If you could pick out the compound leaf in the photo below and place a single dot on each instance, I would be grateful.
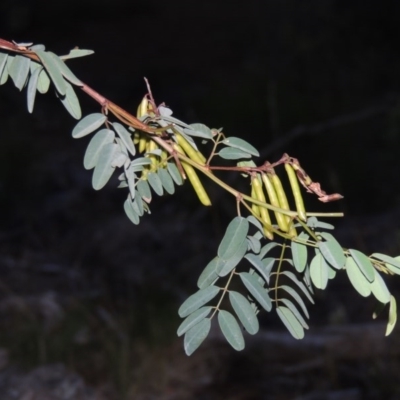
(196, 300)
(231, 329)
(195, 336)
(244, 311)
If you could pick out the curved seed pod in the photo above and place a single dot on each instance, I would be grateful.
(298, 198)
(264, 214)
(194, 180)
(142, 143)
(142, 109)
(189, 150)
(273, 198)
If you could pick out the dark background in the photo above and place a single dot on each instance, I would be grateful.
(83, 287)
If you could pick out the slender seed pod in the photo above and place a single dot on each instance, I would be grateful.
(298, 198)
(142, 143)
(194, 180)
(264, 214)
(136, 138)
(142, 109)
(192, 153)
(273, 198)
(254, 207)
(153, 158)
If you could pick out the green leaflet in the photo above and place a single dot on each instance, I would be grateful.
(155, 183)
(144, 190)
(245, 312)
(193, 319)
(31, 92)
(137, 204)
(332, 251)
(174, 171)
(267, 248)
(209, 274)
(299, 253)
(234, 236)
(131, 180)
(392, 316)
(75, 53)
(319, 271)
(88, 125)
(96, 144)
(242, 145)
(195, 336)
(140, 161)
(364, 264)
(166, 180)
(230, 153)
(71, 102)
(103, 170)
(130, 212)
(47, 59)
(256, 290)
(290, 305)
(254, 243)
(19, 70)
(3, 62)
(290, 321)
(43, 82)
(379, 289)
(125, 136)
(198, 299)
(231, 329)
(313, 222)
(357, 278)
(65, 71)
(299, 300)
(226, 265)
(255, 222)
(300, 284)
(199, 130)
(258, 265)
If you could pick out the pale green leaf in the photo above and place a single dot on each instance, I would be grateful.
(155, 183)
(166, 180)
(295, 295)
(130, 212)
(300, 284)
(226, 265)
(255, 222)
(174, 171)
(258, 265)
(244, 311)
(3, 62)
(392, 316)
(88, 125)
(290, 305)
(144, 190)
(364, 263)
(379, 288)
(256, 290)
(65, 71)
(267, 248)
(46, 57)
(197, 300)
(195, 336)
(43, 82)
(193, 319)
(75, 53)
(319, 271)
(71, 102)
(254, 243)
(357, 278)
(332, 251)
(96, 144)
(140, 161)
(231, 329)
(242, 145)
(209, 274)
(230, 153)
(125, 136)
(291, 322)
(199, 130)
(31, 92)
(391, 262)
(299, 253)
(19, 70)
(103, 170)
(234, 236)
(331, 272)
